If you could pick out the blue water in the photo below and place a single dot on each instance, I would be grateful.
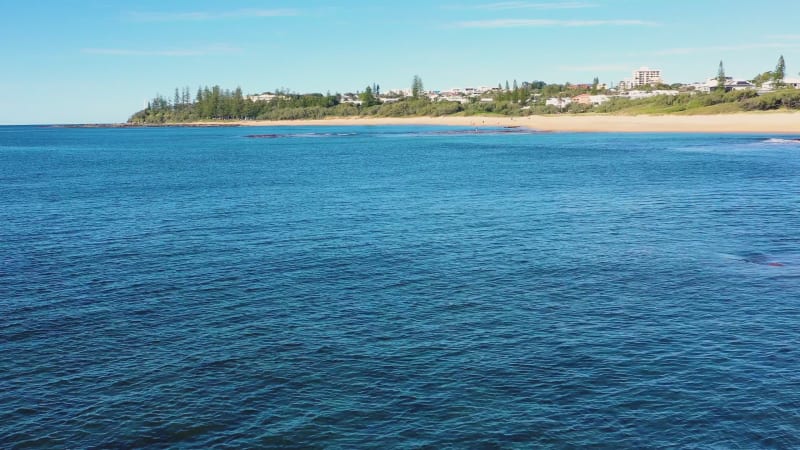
(397, 287)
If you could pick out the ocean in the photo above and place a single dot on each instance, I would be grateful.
(398, 287)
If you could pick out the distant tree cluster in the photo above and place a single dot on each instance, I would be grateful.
(222, 104)
(369, 96)
(515, 93)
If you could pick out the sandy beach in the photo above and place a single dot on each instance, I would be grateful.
(766, 122)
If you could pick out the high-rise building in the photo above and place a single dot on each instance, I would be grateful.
(645, 75)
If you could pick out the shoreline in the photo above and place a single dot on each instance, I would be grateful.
(755, 122)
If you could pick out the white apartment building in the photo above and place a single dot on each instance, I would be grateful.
(646, 76)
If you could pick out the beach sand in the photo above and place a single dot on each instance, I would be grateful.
(763, 122)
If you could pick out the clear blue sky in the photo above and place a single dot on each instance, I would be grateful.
(98, 61)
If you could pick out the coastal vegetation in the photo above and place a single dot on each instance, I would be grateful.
(517, 99)
(227, 105)
(710, 103)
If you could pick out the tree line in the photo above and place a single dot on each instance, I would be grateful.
(216, 103)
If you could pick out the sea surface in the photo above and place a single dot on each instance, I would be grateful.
(398, 287)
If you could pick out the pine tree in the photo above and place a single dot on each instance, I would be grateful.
(780, 72)
(417, 89)
(238, 103)
(721, 78)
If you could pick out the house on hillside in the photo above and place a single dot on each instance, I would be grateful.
(453, 98)
(731, 84)
(558, 102)
(351, 98)
(791, 82)
(265, 97)
(590, 100)
(636, 95)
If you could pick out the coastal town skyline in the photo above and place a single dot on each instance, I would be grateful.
(92, 62)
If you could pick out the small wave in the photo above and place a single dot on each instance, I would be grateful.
(298, 135)
(488, 131)
(782, 141)
(747, 145)
(452, 132)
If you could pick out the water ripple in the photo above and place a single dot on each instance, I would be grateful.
(397, 288)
